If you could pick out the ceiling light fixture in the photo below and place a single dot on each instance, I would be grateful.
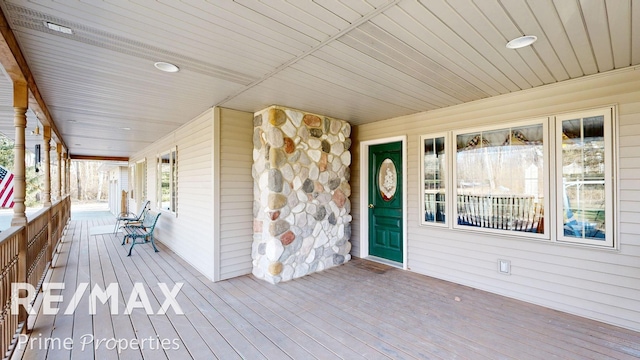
(166, 67)
(125, 128)
(521, 41)
(36, 131)
(58, 28)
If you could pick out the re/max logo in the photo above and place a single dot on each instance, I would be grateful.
(138, 298)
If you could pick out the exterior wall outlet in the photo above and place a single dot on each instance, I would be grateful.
(504, 267)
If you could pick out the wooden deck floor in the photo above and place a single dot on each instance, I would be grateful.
(358, 310)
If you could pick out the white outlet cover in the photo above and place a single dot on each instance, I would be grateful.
(504, 266)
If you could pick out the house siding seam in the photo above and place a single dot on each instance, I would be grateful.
(595, 283)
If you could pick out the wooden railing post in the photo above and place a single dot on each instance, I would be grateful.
(22, 274)
(46, 191)
(50, 240)
(58, 189)
(63, 183)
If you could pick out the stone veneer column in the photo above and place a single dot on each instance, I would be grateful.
(301, 193)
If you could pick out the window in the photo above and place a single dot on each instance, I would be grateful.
(500, 178)
(585, 172)
(132, 181)
(167, 196)
(139, 182)
(434, 185)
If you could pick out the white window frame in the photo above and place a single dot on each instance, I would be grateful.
(552, 179)
(447, 180)
(173, 180)
(546, 234)
(609, 114)
(140, 181)
(132, 182)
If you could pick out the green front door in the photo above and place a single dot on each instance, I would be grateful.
(385, 201)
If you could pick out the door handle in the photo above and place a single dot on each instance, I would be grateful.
(371, 206)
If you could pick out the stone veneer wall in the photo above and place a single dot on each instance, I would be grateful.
(301, 193)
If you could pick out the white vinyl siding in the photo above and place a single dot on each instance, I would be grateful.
(190, 233)
(236, 193)
(124, 178)
(603, 284)
(212, 230)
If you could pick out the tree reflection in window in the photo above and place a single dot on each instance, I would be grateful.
(500, 179)
(434, 179)
(167, 181)
(583, 177)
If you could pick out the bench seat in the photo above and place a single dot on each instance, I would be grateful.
(142, 232)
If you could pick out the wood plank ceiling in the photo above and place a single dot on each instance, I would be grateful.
(358, 60)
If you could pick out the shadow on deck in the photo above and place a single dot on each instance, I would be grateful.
(358, 310)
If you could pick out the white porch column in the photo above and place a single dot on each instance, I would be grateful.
(46, 196)
(63, 182)
(20, 105)
(58, 188)
(68, 175)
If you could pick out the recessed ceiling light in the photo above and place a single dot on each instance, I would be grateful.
(58, 28)
(72, 121)
(166, 67)
(77, 144)
(125, 128)
(521, 41)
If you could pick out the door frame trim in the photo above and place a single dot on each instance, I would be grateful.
(364, 194)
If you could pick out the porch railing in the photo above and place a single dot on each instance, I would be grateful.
(25, 257)
(517, 213)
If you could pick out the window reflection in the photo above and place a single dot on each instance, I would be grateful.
(434, 170)
(499, 179)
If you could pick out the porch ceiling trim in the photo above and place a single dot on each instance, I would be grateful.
(99, 158)
(14, 63)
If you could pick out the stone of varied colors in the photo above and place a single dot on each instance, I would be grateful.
(276, 201)
(275, 138)
(326, 147)
(275, 180)
(257, 120)
(301, 188)
(287, 238)
(273, 215)
(314, 155)
(275, 268)
(289, 145)
(320, 214)
(307, 186)
(277, 117)
(315, 132)
(312, 120)
(322, 163)
(277, 157)
(278, 227)
(257, 141)
(335, 126)
(339, 198)
(334, 183)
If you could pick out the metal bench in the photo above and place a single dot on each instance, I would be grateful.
(127, 218)
(143, 231)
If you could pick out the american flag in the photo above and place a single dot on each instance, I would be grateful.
(6, 188)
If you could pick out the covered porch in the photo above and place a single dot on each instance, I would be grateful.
(358, 310)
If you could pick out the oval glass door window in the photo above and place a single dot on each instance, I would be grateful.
(387, 179)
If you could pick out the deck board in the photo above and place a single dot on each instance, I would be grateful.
(358, 310)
